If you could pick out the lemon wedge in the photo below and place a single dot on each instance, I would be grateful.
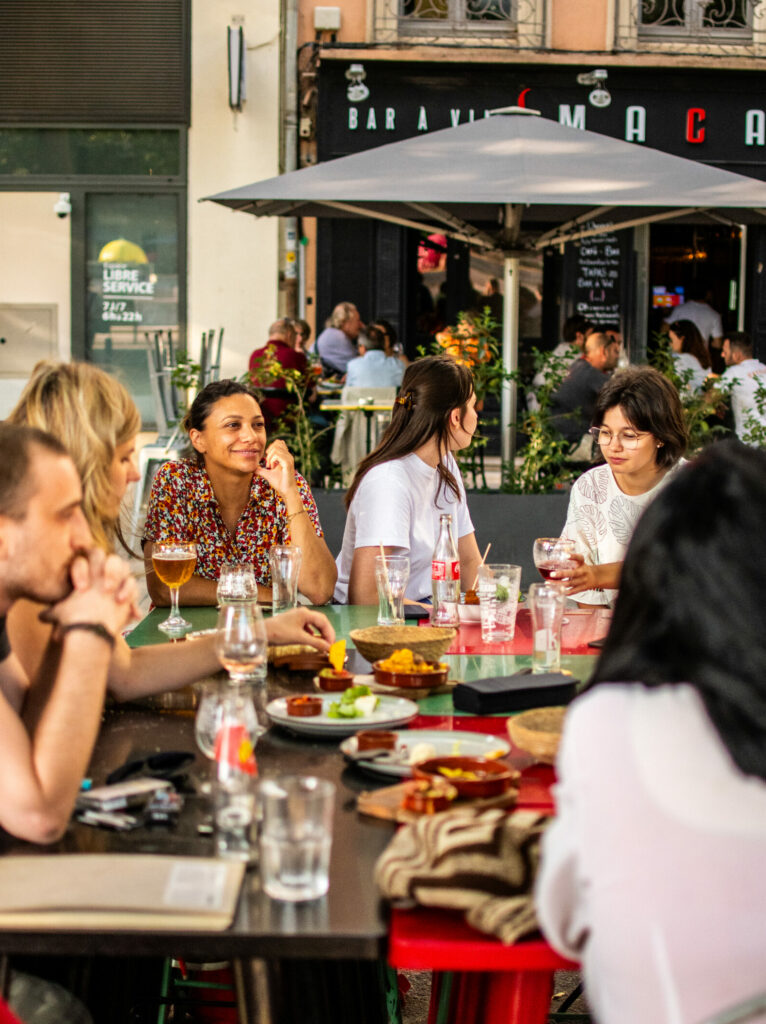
(337, 654)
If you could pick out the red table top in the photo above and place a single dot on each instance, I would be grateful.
(440, 940)
(581, 626)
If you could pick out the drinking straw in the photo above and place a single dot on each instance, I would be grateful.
(389, 592)
(481, 563)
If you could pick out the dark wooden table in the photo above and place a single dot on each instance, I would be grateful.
(349, 922)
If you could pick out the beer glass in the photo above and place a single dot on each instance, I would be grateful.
(174, 561)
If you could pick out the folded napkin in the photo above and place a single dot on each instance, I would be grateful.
(483, 863)
(514, 693)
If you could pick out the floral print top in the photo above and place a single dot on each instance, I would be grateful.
(182, 506)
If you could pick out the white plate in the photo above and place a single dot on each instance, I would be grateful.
(391, 711)
(445, 744)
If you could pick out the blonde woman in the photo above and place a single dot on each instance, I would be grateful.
(93, 415)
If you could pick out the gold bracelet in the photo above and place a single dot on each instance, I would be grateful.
(292, 515)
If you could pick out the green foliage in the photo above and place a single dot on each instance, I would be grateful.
(755, 425)
(701, 408)
(294, 427)
(542, 466)
(185, 378)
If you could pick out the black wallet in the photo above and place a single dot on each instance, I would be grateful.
(514, 693)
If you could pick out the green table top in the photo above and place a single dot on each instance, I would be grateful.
(344, 618)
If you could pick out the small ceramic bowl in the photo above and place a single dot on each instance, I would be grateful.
(411, 680)
(427, 796)
(304, 706)
(471, 776)
(375, 739)
(330, 680)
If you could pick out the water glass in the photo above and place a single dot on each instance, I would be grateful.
(546, 604)
(285, 562)
(498, 600)
(236, 583)
(296, 836)
(392, 573)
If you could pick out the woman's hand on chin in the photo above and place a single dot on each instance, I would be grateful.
(279, 470)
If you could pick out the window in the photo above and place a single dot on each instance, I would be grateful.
(694, 18)
(458, 13)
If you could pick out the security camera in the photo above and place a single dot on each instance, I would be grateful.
(62, 207)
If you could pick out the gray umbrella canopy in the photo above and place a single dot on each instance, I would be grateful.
(508, 182)
(462, 179)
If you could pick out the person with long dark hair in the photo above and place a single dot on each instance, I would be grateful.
(236, 499)
(402, 487)
(639, 427)
(652, 872)
(690, 354)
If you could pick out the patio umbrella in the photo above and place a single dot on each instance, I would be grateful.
(509, 183)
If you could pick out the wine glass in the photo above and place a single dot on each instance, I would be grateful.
(241, 642)
(553, 554)
(173, 561)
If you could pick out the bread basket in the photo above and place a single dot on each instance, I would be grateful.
(538, 732)
(376, 642)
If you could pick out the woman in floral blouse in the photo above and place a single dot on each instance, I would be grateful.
(239, 497)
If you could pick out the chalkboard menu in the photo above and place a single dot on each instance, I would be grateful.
(594, 272)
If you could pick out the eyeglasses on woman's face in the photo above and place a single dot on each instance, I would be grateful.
(627, 439)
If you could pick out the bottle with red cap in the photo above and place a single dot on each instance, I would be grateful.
(445, 576)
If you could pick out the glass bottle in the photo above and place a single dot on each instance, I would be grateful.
(445, 576)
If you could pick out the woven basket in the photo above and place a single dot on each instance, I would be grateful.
(538, 732)
(377, 642)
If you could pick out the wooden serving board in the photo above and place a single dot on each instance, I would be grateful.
(386, 803)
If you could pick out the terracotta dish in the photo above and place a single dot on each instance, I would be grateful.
(375, 739)
(333, 681)
(410, 680)
(427, 796)
(304, 706)
(471, 776)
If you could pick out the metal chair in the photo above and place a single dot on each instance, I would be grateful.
(210, 356)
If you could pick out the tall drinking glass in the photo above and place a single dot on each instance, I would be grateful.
(173, 562)
(236, 583)
(546, 605)
(391, 575)
(498, 599)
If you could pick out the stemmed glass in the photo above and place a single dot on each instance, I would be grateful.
(554, 554)
(173, 561)
(241, 642)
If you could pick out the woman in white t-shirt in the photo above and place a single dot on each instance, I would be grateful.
(690, 355)
(639, 426)
(652, 871)
(402, 487)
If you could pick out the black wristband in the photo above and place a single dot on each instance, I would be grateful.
(97, 628)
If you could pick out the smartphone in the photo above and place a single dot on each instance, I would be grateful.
(120, 794)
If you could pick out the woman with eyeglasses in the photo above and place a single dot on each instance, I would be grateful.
(652, 871)
(639, 427)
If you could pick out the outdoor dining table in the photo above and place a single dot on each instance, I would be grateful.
(351, 921)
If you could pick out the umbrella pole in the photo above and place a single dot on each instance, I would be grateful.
(511, 273)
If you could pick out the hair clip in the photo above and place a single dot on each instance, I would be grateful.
(405, 400)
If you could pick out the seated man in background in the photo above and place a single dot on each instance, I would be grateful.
(49, 724)
(336, 345)
(574, 333)
(574, 401)
(374, 367)
(282, 348)
(745, 376)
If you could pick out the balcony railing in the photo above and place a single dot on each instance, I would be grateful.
(517, 23)
(697, 26)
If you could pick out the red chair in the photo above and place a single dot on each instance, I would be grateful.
(493, 983)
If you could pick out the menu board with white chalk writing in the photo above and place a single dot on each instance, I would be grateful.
(594, 275)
